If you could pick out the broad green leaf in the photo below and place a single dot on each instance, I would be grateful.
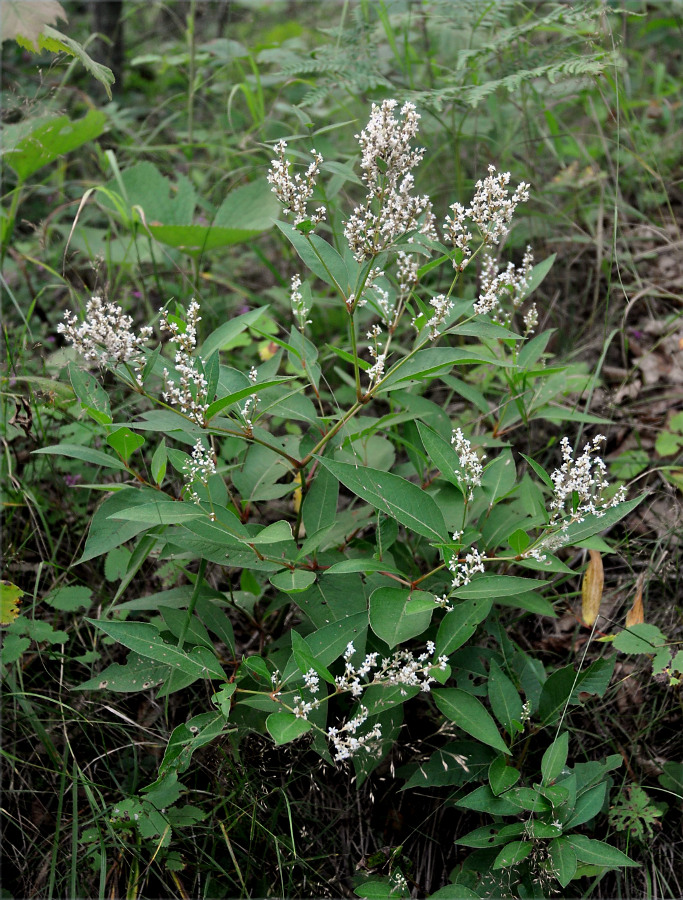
(293, 581)
(106, 533)
(437, 361)
(502, 776)
(76, 451)
(144, 639)
(329, 641)
(305, 659)
(454, 892)
(512, 854)
(159, 459)
(470, 715)
(284, 727)
(492, 586)
(138, 674)
(490, 836)
(598, 852)
(393, 495)
(539, 470)
(160, 512)
(392, 618)
(499, 477)
(588, 805)
(529, 601)
(459, 625)
(70, 598)
(360, 564)
(247, 391)
(125, 442)
(48, 140)
(595, 524)
(641, 638)
(319, 256)
(216, 620)
(555, 758)
(272, 534)
(482, 799)
(90, 392)
(504, 698)
(229, 330)
(563, 858)
(441, 455)
(528, 799)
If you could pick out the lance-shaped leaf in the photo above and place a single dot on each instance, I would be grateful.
(469, 714)
(393, 495)
(144, 639)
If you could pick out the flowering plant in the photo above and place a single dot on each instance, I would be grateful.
(351, 524)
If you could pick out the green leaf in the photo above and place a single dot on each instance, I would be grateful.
(160, 512)
(305, 659)
(563, 858)
(125, 442)
(48, 140)
(441, 455)
(539, 470)
(10, 596)
(459, 625)
(360, 564)
(490, 836)
(502, 776)
(247, 391)
(75, 451)
(454, 892)
(320, 503)
(57, 42)
(598, 852)
(555, 758)
(320, 257)
(492, 586)
(272, 534)
(228, 331)
(512, 854)
(437, 361)
(90, 392)
(595, 524)
(528, 799)
(396, 614)
(642, 638)
(105, 533)
(504, 698)
(292, 581)
(159, 460)
(482, 799)
(393, 495)
(70, 599)
(588, 805)
(145, 640)
(284, 727)
(470, 715)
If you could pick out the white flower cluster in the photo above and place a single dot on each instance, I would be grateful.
(406, 272)
(190, 393)
(401, 668)
(299, 307)
(105, 335)
(376, 370)
(491, 212)
(344, 741)
(470, 463)
(581, 484)
(199, 467)
(464, 569)
(387, 160)
(511, 282)
(294, 193)
(442, 306)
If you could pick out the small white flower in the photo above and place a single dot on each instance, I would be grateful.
(470, 463)
(295, 192)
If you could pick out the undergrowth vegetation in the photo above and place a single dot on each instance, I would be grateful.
(342, 451)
